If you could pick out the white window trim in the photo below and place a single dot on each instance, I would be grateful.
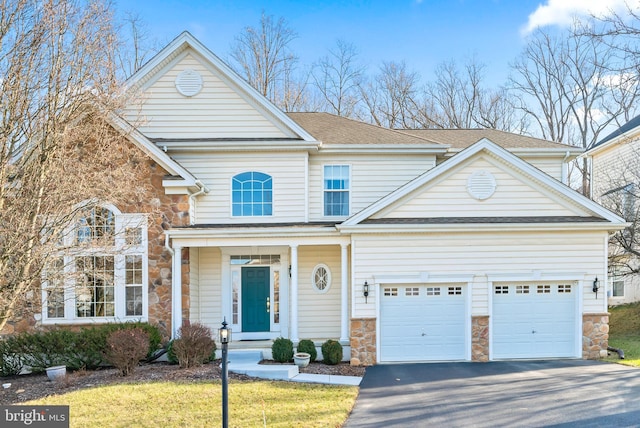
(119, 253)
(349, 190)
(273, 205)
(313, 278)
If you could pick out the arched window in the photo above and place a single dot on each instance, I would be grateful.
(251, 194)
(101, 270)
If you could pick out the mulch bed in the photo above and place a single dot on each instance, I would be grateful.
(33, 386)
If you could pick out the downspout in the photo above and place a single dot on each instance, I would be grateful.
(564, 175)
(173, 282)
(202, 189)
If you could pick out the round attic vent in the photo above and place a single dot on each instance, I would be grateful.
(481, 185)
(189, 83)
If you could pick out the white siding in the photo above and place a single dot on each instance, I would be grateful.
(549, 165)
(477, 254)
(206, 296)
(218, 111)
(319, 313)
(216, 171)
(447, 196)
(372, 177)
(615, 167)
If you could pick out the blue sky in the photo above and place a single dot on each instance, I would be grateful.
(423, 33)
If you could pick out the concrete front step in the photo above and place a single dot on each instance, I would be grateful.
(245, 361)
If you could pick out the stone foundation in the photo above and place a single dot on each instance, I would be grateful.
(480, 338)
(595, 336)
(363, 341)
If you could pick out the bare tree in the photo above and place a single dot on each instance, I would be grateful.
(390, 98)
(264, 58)
(136, 47)
(57, 150)
(460, 99)
(566, 85)
(337, 76)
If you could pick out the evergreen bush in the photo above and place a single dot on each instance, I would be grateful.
(331, 352)
(306, 345)
(282, 350)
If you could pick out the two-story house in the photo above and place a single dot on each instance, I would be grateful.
(615, 165)
(410, 245)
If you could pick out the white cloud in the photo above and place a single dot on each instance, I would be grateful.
(562, 12)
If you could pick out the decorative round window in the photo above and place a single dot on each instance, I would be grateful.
(321, 278)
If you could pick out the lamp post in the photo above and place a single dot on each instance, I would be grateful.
(225, 337)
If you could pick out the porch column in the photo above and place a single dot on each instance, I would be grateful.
(294, 293)
(176, 292)
(344, 306)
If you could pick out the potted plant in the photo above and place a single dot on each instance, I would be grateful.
(56, 373)
(301, 359)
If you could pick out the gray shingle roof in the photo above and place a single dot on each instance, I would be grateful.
(332, 129)
(463, 138)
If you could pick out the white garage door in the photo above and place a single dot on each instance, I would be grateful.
(534, 320)
(422, 323)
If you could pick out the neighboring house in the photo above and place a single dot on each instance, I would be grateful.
(615, 164)
(416, 245)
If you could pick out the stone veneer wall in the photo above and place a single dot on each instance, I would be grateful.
(165, 212)
(595, 336)
(480, 338)
(363, 341)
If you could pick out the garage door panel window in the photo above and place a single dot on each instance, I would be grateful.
(390, 291)
(543, 289)
(412, 291)
(455, 291)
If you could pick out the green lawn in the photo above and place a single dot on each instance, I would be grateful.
(177, 404)
(624, 333)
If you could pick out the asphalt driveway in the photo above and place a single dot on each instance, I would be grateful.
(562, 393)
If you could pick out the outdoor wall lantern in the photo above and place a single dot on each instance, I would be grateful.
(365, 288)
(596, 286)
(225, 338)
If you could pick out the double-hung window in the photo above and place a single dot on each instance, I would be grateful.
(251, 194)
(336, 190)
(100, 271)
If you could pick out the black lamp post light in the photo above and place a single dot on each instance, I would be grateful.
(225, 338)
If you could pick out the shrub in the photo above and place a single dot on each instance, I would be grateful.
(282, 350)
(309, 347)
(126, 347)
(331, 352)
(194, 346)
(83, 349)
(11, 362)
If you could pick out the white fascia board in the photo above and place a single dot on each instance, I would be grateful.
(627, 136)
(499, 152)
(194, 232)
(185, 38)
(383, 148)
(480, 227)
(240, 145)
(209, 238)
(153, 151)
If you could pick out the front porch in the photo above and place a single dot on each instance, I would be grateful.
(269, 289)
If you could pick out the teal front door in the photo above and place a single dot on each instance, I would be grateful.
(255, 299)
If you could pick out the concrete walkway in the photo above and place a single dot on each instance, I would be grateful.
(245, 361)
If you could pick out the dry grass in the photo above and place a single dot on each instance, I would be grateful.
(178, 404)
